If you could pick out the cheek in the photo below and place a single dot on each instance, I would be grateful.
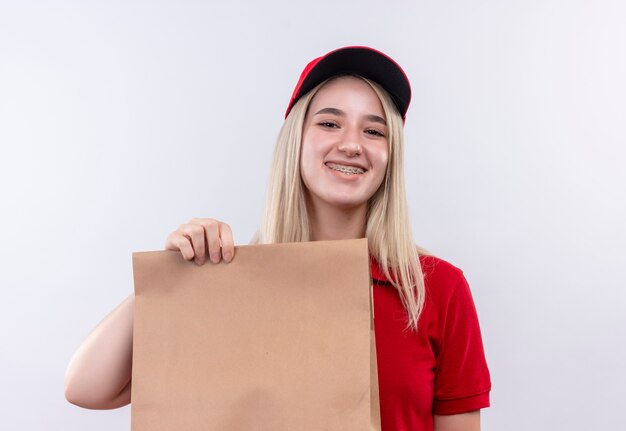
(380, 159)
(312, 152)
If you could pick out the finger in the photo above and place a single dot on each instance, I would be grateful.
(228, 244)
(182, 243)
(195, 233)
(176, 241)
(212, 233)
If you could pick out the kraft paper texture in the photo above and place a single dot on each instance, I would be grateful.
(281, 338)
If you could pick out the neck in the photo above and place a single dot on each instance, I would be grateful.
(332, 223)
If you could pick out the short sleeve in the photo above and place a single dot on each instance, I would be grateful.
(462, 382)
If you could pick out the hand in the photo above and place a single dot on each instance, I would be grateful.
(202, 235)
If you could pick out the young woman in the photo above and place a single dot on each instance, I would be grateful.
(337, 174)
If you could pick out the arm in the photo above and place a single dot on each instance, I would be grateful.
(462, 381)
(461, 422)
(99, 374)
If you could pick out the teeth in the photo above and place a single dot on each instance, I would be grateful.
(350, 170)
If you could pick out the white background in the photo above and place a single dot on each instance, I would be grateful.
(121, 120)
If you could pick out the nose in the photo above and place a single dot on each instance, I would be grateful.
(350, 150)
(350, 146)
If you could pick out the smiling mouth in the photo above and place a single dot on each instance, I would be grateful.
(349, 170)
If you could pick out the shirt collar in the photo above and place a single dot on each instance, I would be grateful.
(376, 271)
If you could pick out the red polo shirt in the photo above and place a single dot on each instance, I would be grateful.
(441, 369)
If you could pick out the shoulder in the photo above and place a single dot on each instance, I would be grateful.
(438, 270)
(435, 270)
(442, 279)
(441, 274)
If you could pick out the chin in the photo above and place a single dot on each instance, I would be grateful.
(345, 202)
(338, 197)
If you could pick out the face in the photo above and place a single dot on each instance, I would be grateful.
(344, 144)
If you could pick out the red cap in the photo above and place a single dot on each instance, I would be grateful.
(356, 60)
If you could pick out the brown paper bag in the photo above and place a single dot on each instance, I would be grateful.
(279, 339)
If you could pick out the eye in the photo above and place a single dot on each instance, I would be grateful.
(375, 132)
(328, 124)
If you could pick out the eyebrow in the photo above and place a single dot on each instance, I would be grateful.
(340, 113)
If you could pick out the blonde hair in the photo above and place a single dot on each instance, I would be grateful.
(388, 230)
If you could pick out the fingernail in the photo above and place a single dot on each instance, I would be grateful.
(228, 257)
(215, 257)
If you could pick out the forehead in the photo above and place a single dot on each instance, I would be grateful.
(348, 92)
